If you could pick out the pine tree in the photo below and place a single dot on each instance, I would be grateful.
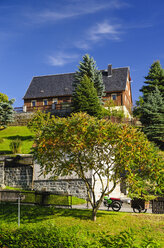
(6, 113)
(152, 117)
(88, 67)
(154, 78)
(85, 98)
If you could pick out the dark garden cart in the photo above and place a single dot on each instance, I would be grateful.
(139, 205)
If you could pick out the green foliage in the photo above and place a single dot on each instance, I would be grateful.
(152, 117)
(11, 133)
(81, 143)
(85, 98)
(16, 145)
(155, 78)
(38, 120)
(137, 112)
(73, 237)
(110, 110)
(3, 97)
(126, 239)
(150, 108)
(6, 113)
(88, 67)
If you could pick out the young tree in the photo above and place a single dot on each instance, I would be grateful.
(85, 97)
(152, 117)
(82, 143)
(88, 67)
(154, 78)
(3, 97)
(6, 113)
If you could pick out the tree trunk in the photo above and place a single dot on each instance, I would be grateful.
(94, 212)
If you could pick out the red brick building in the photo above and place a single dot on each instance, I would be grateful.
(54, 92)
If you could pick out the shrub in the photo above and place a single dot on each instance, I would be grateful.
(74, 237)
(15, 146)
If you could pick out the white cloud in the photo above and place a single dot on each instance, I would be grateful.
(61, 59)
(99, 32)
(104, 30)
(74, 9)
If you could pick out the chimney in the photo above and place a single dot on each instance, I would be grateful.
(109, 70)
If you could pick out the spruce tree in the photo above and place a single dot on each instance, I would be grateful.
(152, 117)
(85, 98)
(88, 67)
(154, 78)
(6, 113)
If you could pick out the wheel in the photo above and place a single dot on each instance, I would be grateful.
(139, 210)
(136, 210)
(116, 206)
(144, 210)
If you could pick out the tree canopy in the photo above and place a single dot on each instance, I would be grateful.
(85, 97)
(82, 143)
(155, 78)
(152, 117)
(88, 67)
(150, 107)
(3, 97)
(6, 111)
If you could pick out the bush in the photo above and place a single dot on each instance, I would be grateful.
(16, 145)
(73, 237)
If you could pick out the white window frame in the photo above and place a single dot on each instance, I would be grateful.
(33, 101)
(44, 102)
(114, 95)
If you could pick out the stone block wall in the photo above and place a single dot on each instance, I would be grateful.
(21, 119)
(16, 171)
(18, 176)
(2, 171)
(75, 187)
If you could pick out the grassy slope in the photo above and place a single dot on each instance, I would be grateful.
(143, 225)
(11, 133)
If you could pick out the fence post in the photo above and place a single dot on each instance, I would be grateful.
(19, 197)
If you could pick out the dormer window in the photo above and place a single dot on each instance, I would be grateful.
(45, 102)
(114, 97)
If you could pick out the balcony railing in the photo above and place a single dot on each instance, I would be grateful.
(57, 109)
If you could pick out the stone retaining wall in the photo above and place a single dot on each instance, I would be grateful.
(18, 172)
(75, 187)
(2, 171)
(21, 119)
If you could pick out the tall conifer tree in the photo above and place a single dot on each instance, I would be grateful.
(85, 98)
(88, 67)
(154, 78)
(152, 117)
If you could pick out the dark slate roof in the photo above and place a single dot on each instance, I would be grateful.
(61, 84)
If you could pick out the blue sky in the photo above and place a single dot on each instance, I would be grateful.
(41, 37)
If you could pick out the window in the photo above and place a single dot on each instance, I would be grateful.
(114, 96)
(55, 100)
(33, 103)
(45, 102)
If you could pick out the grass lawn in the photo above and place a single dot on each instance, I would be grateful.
(11, 133)
(33, 218)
